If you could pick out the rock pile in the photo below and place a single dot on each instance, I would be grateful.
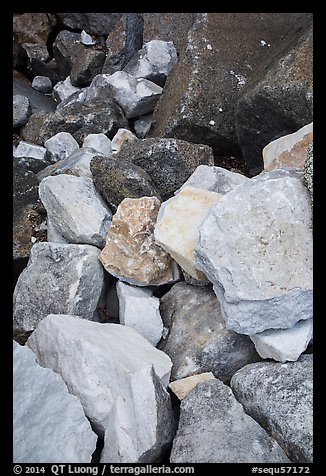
(163, 308)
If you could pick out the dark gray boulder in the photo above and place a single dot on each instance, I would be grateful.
(21, 110)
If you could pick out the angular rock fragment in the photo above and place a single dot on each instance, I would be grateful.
(139, 309)
(88, 64)
(183, 386)
(214, 428)
(280, 398)
(118, 377)
(197, 339)
(178, 223)
(288, 151)
(76, 209)
(131, 253)
(64, 89)
(49, 424)
(67, 47)
(284, 344)
(270, 286)
(26, 149)
(59, 278)
(86, 39)
(120, 138)
(142, 125)
(21, 110)
(60, 146)
(43, 84)
(99, 142)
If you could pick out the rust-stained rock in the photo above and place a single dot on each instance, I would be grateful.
(183, 386)
(131, 253)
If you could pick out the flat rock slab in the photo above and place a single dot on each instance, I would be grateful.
(49, 424)
(118, 377)
(59, 278)
(198, 340)
(131, 253)
(269, 287)
(76, 209)
(214, 428)
(280, 398)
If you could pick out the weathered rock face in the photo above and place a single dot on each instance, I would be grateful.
(26, 149)
(278, 99)
(60, 146)
(280, 398)
(86, 66)
(64, 89)
(288, 151)
(120, 138)
(99, 142)
(59, 278)
(49, 425)
(285, 344)
(182, 387)
(142, 125)
(198, 340)
(131, 253)
(270, 286)
(178, 222)
(153, 62)
(139, 309)
(214, 428)
(76, 209)
(119, 378)
(21, 110)
(169, 162)
(119, 179)
(201, 92)
(308, 172)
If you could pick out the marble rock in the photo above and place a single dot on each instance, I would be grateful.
(214, 428)
(280, 398)
(270, 286)
(119, 378)
(183, 386)
(288, 151)
(49, 424)
(59, 278)
(60, 146)
(21, 110)
(43, 84)
(284, 344)
(64, 89)
(154, 61)
(76, 208)
(99, 142)
(26, 149)
(86, 39)
(131, 253)
(139, 309)
(178, 223)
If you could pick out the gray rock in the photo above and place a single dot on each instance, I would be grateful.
(59, 278)
(49, 424)
(278, 98)
(117, 179)
(21, 110)
(119, 378)
(67, 47)
(99, 142)
(86, 39)
(269, 287)
(120, 138)
(308, 172)
(31, 164)
(88, 64)
(38, 101)
(169, 162)
(63, 90)
(214, 428)
(76, 209)
(60, 146)
(26, 149)
(198, 340)
(37, 61)
(53, 234)
(153, 62)
(93, 23)
(280, 398)
(142, 125)
(42, 84)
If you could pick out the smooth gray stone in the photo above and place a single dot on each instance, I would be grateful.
(39, 102)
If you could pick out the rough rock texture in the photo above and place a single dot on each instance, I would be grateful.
(288, 151)
(270, 286)
(26, 149)
(308, 172)
(139, 309)
(153, 62)
(118, 179)
(42, 84)
(38, 101)
(93, 23)
(169, 162)
(53, 234)
(67, 48)
(49, 424)
(86, 66)
(60, 146)
(99, 142)
(131, 253)
(64, 89)
(76, 209)
(278, 98)
(31, 164)
(120, 138)
(73, 277)
(215, 179)
(142, 125)
(21, 110)
(182, 387)
(178, 222)
(285, 344)
(201, 92)
(214, 428)
(279, 397)
(198, 340)
(119, 378)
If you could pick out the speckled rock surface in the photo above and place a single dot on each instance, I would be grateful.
(308, 172)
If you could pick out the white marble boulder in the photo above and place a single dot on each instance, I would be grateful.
(99, 142)
(119, 378)
(76, 209)
(28, 150)
(59, 278)
(255, 246)
(60, 146)
(49, 424)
